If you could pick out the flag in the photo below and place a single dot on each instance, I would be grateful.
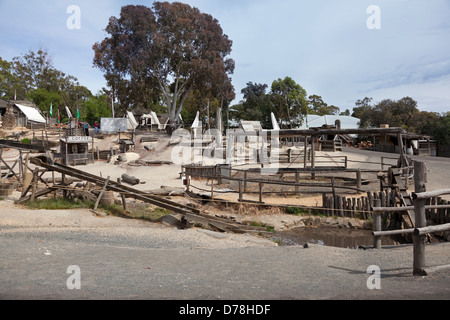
(78, 113)
(15, 95)
(51, 109)
(69, 114)
(59, 122)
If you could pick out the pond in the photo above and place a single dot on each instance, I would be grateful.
(333, 237)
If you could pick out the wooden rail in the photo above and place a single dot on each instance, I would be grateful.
(421, 230)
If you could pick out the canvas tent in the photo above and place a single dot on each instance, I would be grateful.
(196, 126)
(131, 121)
(315, 121)
(32, 114)
(275, 125)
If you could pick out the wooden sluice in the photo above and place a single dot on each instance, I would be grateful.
(187, 212)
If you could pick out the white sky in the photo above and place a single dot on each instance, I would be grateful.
(325, 46)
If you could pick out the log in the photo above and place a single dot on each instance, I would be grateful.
(432, 229)
(392, 233)
(425, 195)
(130, 180)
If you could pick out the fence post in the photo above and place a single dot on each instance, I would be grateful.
(358, 180)
(377, 224)
(420, 219)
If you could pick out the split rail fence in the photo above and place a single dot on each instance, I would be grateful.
(420, 230)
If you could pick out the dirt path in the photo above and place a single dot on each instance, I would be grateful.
(128, 259)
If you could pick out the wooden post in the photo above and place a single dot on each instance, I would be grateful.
(305, 156)
(297, 181)
(212, 189)
(377, 225)
(124, 199)
(240, 191)
(245, 181)
(420, 219)
(313, 157)
(261, 192)
(34, 184)
(101, 194)
(358, 180)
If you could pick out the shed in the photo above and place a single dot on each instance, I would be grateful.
(25, 112)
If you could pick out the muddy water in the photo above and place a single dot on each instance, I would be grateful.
(333, 237)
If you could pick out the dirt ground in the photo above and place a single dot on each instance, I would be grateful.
(130, 259)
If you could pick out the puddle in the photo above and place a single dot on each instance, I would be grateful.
(333, 237)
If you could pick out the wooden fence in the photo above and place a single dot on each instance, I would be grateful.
(420, 231)
(358, 207)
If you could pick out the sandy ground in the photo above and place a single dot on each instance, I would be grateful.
(168, 176)
(129, 259)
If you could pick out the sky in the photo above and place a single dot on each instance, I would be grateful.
(341, 50)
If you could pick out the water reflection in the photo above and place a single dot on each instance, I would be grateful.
(333, 237)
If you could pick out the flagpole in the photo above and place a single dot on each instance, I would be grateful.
(112, 103)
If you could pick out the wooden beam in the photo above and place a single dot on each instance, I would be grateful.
(431, 229)
(426, 195)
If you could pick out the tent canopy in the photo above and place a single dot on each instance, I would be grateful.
(32, 114)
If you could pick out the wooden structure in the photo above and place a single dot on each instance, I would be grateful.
(188, 213)
(26, 114)
(76, 150)
(421, 229)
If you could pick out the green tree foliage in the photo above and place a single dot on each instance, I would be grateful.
(289, 100)
(255, 106)
(403, 113)
(96, 107)
(172, 48)
(318, 107)
(439, 128)
(399, 113)
(34, 77)
(8, 82)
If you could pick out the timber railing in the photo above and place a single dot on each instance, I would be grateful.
(420, 230)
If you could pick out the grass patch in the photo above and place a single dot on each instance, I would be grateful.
(136, 212)
(58, 204)
(262, 225)
(305, 212)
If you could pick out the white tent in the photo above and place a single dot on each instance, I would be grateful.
(315, 121)
(32, 114)
(275, 125)
(196, 126)
(132, 123)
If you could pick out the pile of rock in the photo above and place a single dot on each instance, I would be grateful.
(9, 119)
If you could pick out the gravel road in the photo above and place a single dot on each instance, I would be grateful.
(134, 260)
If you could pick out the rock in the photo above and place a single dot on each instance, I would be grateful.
(352, 223)
(171, 221)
